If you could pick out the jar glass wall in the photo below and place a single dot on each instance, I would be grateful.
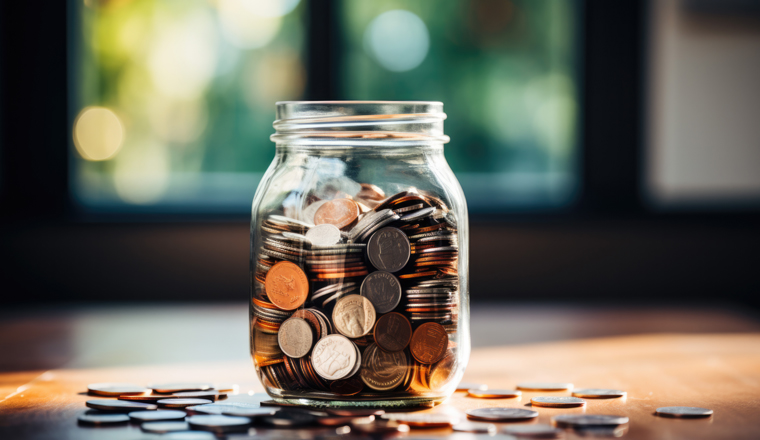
(359, 258)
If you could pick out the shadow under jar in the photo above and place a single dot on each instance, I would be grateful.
(359, 258)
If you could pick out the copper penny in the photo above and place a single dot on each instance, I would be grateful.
(286, 285)
(347, 387)
(393, 332)
(338, 212)
(429, 343)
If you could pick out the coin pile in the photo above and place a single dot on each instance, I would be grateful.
(357, 295)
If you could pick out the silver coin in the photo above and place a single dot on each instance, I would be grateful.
(422, 213)
(182, 403)
(475, 427)
(372, 229)
(307, 214)
(353, 316)
(388, 249)
(221, 408)
(324, 235)
(188, 435)
(119, 405)
(493, 394)
(534, 431)
(115, 389)
(164, 427)
(331, 289)
(176, 387)
(440, 249)
(157, 416)
(334, 357)
(93, 418)
(409, 208)
(383, 290)
(288, 418)
(367, 221)
(598, 393)
(250, 412)
(557, 401)
(295, 337)
(465, 386)
(683, 412)
(583, 420)
(544, 386)
(501, 414)
(217, 423)
(287, 221)
(210, 394)
(292, 236)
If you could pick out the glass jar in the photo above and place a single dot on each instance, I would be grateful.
(359, 258)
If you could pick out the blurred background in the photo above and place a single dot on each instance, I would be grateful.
(609, 151)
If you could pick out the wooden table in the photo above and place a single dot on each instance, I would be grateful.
(697, 357)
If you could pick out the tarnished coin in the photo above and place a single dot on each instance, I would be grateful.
(423, 420)
(598, 393)
(475, 427)
(467, 386)
(115, 389)
(334, 357)
(338, 212)
(393, 332)
(557, 401)
(157, 416)
(383, 290)
(347, 387)
(534, 431)
(295, 337)
(429, 343)
(494, 394)
(353, 316)
(287, 285)
(219, 423)
(178, 387)
(501, 414)
(442, 372)
(94, 418)
(685, 412)
(221, 408)
(544, 386)
(388, 249)
(381, 370)
(164, 427)
(119, 405)
(324, 235)
(585, 420)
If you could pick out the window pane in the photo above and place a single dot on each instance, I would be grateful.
(507, 74)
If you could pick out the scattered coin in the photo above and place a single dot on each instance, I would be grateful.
(383, 290)
(115, 389)
(251, 413)
(334, 357)
(467, 386)
(501, 414)
(286, 285)
(157, 416)
(586, 420)
(544, 386)
(534, 431)
(164, 427)
(295, 337)
(182, 403)
(169, 388)
(324, 235)
(119, 405)
(288, 418)
(144, 397)
(220, 408)
(188, 435)
(353, 316)
(494, 394)
(338, 212)
(226, 388)
(557, 401)
(429, 343)
(379, 427)
(218, 423)
(423, 420)
(598, 393)
(210, 395)
(393, 332)
(683, 412)
(92, 418)
(388, 249)
(475, 427)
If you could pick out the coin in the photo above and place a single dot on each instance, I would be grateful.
(378, 427)
(423, 420)
(382, 371)
(347, 387)
(289, 417)
(286, 285)
(219, 423)
(156, 416)
(338, 212)
(388, 249)
(115, 389)
(383, 290)
(544, 386)
(557, 401)
(93, 418)
(501, 414)
(586, 420)
(353, 316)
(393, 332)
(210, 395)
(221, 408)
(119, 405)
(598, 393)
(251, 413)
(534, 431)
(226, 387)
(324, 235)
(429, 343)
(182, 403)
(143, 397)
(164, 427)
(334, 357)
(295, 337)
(475, 427)
(494, 394)
(683, 412)
(466, 386)
(188, 435)
(177, 387)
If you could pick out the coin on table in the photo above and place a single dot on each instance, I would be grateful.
(587, 420)
(251, 413)
(423, 420)
(338, 212)
(467, 386)
(388, 249)
(93, 418)
(381, 370)
(157, 416)
(557, 401)
(334, 357)
(289, 418)
(383, 290)
(393, 332)
(324, 235)
(115, 389)
(501, 414)
(534, 431)
(544, 386)
(178, 387)
(429, 343)
(494, 394)
(226, 387)
(217, 423)
(378, 427)
(119, 405)
(164, 427)
(295, 337)
(210, 395)
(182, 403)
(353, 316)
(683, 412)
(598, 393)
(286, 285)
(475, 427)
(221, 407)
(144, 397)
(188, 435)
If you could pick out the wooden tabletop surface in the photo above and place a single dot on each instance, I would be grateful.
(708, 357)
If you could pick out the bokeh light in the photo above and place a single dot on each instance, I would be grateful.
(248, 24)
(98, 133)
(398, 40)
(141, 175)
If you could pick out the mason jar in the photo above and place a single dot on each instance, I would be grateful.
(359, 258)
